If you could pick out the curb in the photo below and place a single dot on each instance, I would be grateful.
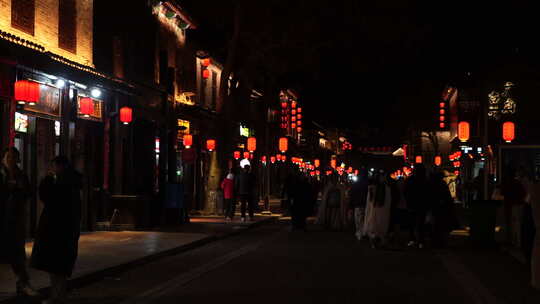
(99, 274)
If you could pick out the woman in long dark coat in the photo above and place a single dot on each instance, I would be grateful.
(56, 246)
(14, 194)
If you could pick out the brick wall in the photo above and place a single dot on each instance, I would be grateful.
(46, 28)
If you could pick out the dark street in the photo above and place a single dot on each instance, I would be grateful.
(271, 264)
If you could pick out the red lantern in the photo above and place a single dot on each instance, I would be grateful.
(26, 92)
(456, 172)
(442, 111)
(442, 105)
(126, 115)
(251, 156)
(86, 105)
(293, 104)
(278, 157)
(442, 125)
(508, 131)
(463, 131)
(299, 122)
(438, 160)
(284, 158)
(211, 145)
(246, 155)
(299, 129)
(236, 155)
(206, 62)
(457, 164)
(251, 144)
(317, 172)
(350, 170)
(299, 116)
(206, 74)
(317, 163)
(333, 163)
(263, 159)
(272, 159)
(293, 119)
(299, 110)
(418, 159)
(441, 118)
(188, 141)
(312, 173)
(356, 172)
(283, 144)
(293, 125)
(284, 104)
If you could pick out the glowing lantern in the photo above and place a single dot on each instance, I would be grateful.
(211, 145)
(350, 170)
(328, 172)
(236, 155)
(299, 122)
(188, 140)
(251, 144)
(312, 173)
(246, 155)
(508, 131)
(356, 172)
(206, 74)
(250, 156)
(284, 104)
(299, 110)
(442, 125)
(299, 129)
(26, 92)
(272, 159)
(86, 105)
(441, 104)
(333, 163)
(293, 119)
(457, 164)
(418, 159)
(284, 158)
(126, 115)
(206, 62)
(456, 172)
(441, 118)
(318, 172)
(263, 159)
(293, 125)
(438, 160)
(293, 112)
(299, 116)
(442, 111)
(317, 163)
(293, 104)
(463, 131)
(278, 157)
(283, 144)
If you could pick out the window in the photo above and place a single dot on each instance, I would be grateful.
(23, 14)
(67, 25)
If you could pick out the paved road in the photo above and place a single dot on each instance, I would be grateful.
(272, 265)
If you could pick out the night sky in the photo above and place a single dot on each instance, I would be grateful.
(383, 63)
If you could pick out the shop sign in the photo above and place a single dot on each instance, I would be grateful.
(183, 129)
(49, 101)
(98, 110)
(244, 131)
(21, 122)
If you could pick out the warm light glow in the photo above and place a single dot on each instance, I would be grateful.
(299, 110)
(442, 111)
(86, 105)
(442, 125)
(333, 163)
(206, 74)
(211, 145)
(27, 92)
(236, 155)
(317, 163)
(188, 141)
(126, 115)
(278, 157)
(272, 159)
(508, 131)
(283, 144)
(438, 160)
(463, 131)
(246, 155)
(442, 105)
(251, 144)
(418, 159)
(206, 62)
(441, 118)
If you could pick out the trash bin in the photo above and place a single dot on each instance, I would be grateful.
(483, 221)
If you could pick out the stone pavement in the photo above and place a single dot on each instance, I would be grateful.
(101, 252)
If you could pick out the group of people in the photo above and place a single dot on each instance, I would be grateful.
(56, 241)
(382, 205)
(240, 187)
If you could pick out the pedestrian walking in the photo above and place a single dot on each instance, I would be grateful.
(418, 197)
(443, 211)
(56, 245)
(227, 185)
(300, 194)
(398, 209)
(14, 194)
(245, 189)
(379, 200)
(358, 200)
